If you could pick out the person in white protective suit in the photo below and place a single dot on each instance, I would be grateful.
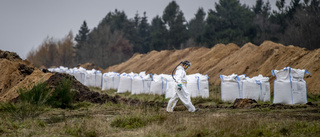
(181, 89)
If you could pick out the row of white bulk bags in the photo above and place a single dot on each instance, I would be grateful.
(79, 74)
(231, 87)
(162, 84)
(93, 78)
(257, 88)
(110, 80)
(61, 69)
(290, 86)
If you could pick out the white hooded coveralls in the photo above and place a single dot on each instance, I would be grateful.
(182, 94)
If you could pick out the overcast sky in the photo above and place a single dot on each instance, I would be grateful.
(24, 24)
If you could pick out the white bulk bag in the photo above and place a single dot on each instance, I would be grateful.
(230, 87)
(106, 81)
(63, 69)
(116, 80)
(109, 79)
(251, 88)
(125, 84)
(79, 76)
(69, 71)
(170, 86)
(289, 86)
(147, 79)
(93, 78)
(299, 86)
(264, 87)
(97, 79)
(193, 85)
(282, 87)
(137, 85)
(158, 85)
(203, 82)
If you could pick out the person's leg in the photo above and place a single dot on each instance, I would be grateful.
(185, 98)
(172, 102)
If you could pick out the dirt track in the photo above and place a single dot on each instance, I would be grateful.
(227, 59)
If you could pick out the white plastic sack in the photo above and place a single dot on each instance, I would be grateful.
(158, 85)
(147, 79)
(198, 85)
(230, 87)
(203, 82)
(93, 78)
(264, 87)
(110, 80)
(251, 88)
(193, 85)
(125, 84)
(290, 86)
(79, 76)
(170, 86)
(137, 85)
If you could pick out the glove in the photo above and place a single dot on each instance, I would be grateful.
(179, 86)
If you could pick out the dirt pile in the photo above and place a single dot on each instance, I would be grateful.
(89, 66)
(244, 103)
(223, 59)
(15, 74)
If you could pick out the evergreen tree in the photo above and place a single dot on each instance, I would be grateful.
(196, 26)
(231, 22)
(265, 29)
(81, 38)
(142, 39)
(83, 33)
(303, 28)
(279, 17)
(144, 33)
(158, 34)
(173, 17)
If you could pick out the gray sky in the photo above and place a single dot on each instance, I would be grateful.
(25, 24)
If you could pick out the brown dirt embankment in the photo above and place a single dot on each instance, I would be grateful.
(15, 74)
(227, 59)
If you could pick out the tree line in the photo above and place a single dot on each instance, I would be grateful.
(117, 37)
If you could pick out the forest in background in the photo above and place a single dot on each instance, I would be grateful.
(117, 37)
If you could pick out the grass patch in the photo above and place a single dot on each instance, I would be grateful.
(80, 130)
(313, 98)
(21, 111)
(37, 95)
(62, 96)
(135, 121)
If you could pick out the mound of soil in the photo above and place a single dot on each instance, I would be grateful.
(89, 66)
(9, 55)
(223, 59)
(244, 103)
(14, 70)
